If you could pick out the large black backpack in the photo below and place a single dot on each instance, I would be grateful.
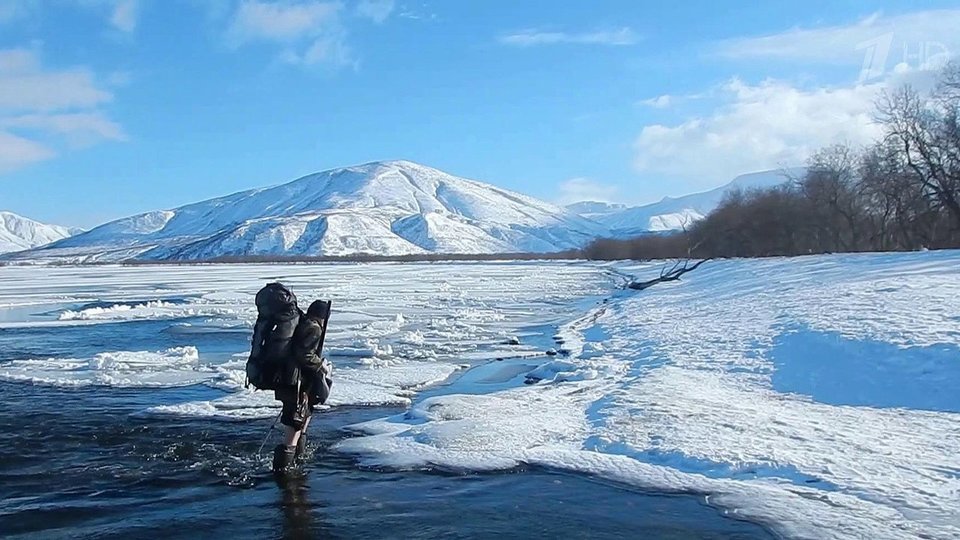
(269, 366)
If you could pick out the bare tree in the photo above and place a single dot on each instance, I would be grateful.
(929, 138)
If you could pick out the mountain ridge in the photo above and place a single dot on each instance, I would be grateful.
(675, 213)
(392, 207)
(18, 233)
(385, 208)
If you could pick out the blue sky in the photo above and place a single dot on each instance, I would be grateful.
(114, 107)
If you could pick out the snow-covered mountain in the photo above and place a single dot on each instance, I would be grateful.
(388, 208)
(592, 209)
(18, 233)
(674, 213)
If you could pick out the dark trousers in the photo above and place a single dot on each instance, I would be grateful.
(296, 408)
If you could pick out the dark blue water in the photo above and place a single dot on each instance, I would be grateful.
(82, 463)
(75, 463)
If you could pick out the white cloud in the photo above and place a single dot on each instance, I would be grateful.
(41, 109)
(665, 101)
(775, 123)
(585, 189)
(281, 21)
(762, 126)
(532, 37)
(124, 16)
(82, 128)
(877, 43)
(375, 10)
(16, 152)
(311, 32)
(25, 85)
(407, 13)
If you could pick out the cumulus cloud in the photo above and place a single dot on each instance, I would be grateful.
(310, 32)
(759, 126)
(375, 10)
(585, 189)
(533, 37)
(42, 109)
(775, 123)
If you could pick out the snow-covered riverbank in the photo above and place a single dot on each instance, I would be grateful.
(816, 395)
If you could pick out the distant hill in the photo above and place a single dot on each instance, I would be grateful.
(18, 233)
(674, 213)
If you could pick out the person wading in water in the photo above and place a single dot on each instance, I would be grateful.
(286, 357)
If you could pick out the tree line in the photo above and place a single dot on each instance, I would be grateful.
(901, 193)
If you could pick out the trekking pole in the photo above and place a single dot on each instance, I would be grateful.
(323, 332)
(267, 436)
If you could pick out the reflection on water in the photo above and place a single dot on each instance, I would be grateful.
(294, 503)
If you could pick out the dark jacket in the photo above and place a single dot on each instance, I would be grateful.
(306, 339)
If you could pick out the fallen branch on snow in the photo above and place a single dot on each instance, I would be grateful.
(678, 269)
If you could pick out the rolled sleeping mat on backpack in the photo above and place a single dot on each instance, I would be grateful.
(275, 299)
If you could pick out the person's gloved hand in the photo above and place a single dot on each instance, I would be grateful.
(322, 381)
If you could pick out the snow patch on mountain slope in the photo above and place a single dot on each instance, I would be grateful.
(388, 208)
(18, 233)
(675, 221)
(446, 234)
(592, 209)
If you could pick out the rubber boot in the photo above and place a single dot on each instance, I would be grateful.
(283, 458)
(301, 447)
